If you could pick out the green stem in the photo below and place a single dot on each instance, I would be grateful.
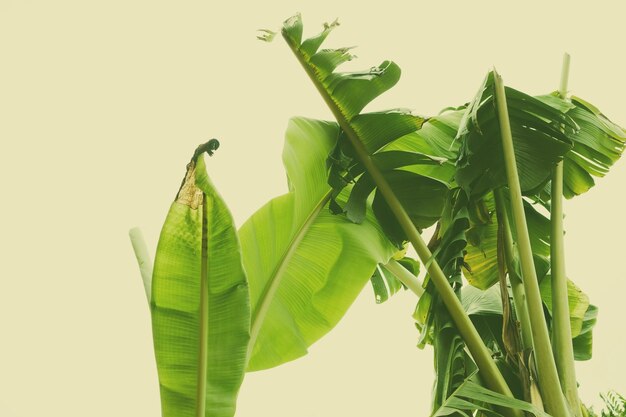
(517, 286)
(475, 344)
(143, 259)
(561, 328)
(405, 277)
(546, 367)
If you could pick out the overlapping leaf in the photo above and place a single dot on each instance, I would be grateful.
(583, 343)
(537, 137)
(347, 93)
(481, 259)
(578, 303)
(598, 143)
(305, 265)
(452, 364)
(448, 247)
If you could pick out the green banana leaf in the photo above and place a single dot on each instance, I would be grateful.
(598, 144)
(470, 395)
(452, 364)
(305, 266)
(199, 303)
(583, 343)
(477, 302)
(448, 248)
(347, 94)
(481, 259)
(578, 302)
(537, 137)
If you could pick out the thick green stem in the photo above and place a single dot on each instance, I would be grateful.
(517, 286)
(475, 344)
(143, 259)
(405, 277)
(561, 328)
(548, 377)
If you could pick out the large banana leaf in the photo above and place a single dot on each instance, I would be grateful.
(538, 141)
(347, 94)
(598, 143)
(305, 266)
(199, 303)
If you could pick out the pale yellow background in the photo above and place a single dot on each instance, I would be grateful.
(101, 105)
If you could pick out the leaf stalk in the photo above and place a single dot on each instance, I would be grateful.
(561, 328)
(470, 335)
(517, 286)
(406, 277)
(548, 377)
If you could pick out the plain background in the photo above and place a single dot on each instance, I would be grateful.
(102, 104)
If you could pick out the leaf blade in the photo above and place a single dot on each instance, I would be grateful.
(200, 323)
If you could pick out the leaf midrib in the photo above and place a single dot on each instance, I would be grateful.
(267, 296)
(204, 317)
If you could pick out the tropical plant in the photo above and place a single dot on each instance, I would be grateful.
(505, 322)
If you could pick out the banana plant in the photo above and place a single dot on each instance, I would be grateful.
(541, 132)
(199, 300)
(505, 322)
(303, 268)
(346, 94)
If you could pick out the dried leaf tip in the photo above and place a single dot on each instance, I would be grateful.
(209, 147)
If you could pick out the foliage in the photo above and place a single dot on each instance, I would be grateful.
(199, 303)
(224, 301)
(614, 405)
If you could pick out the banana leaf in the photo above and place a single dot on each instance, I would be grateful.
(347, 94)
(199, 302)
(538, 141)
(305, 266)
(597, 144)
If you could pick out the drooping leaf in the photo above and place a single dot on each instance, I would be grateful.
(305, 265)
(598, 144)
(578, 302)
(199, 303)
(583, 343)
(482, 247)
(452, 364)
(471, 395)
(448, 248)
(538, 141)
